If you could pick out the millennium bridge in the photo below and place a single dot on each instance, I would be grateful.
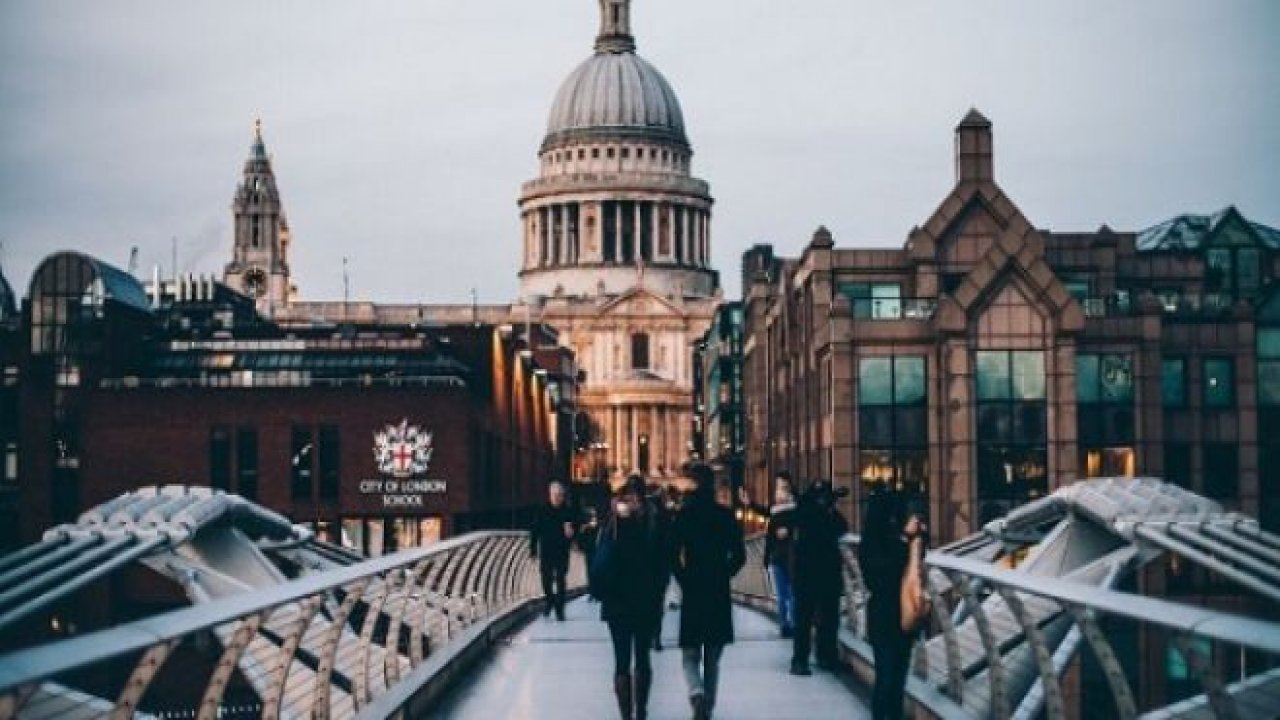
(1037, 615)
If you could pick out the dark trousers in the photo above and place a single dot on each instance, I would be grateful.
(553, 586)
(817, 613)
(630, 643)
(893, 659)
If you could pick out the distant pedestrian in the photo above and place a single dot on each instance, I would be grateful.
(552, 534)
(819, 578)
(666, 507)
(629, 576)
(779, 551)
(707, 552)
(888, 528)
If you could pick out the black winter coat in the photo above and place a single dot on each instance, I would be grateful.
(780, 537)
(546, 537)
(630, 570)
(883, 562)
(707, 552)
(819, 566)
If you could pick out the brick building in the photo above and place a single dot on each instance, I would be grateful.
(382, 437)
(987, 361)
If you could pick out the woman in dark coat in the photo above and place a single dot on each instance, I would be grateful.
(629, 577)
(708, 551)
(882, 555)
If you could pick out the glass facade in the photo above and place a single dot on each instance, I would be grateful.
(1105, 425)
(1173, 382)
(1219, 382)
(893, 439)
(1012, 414)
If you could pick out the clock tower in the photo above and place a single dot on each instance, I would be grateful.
(259, 264)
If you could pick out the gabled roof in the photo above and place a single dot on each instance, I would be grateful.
(1191, 232)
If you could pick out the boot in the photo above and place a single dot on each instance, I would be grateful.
(700, 709)
(622, 690)
(643, 681)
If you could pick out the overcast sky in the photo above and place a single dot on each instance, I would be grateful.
(401, 130)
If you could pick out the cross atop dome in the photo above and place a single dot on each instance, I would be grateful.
(615, 27)
(259, 147)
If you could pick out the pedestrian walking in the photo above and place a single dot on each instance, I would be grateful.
(819, 578)
(779, 551)
(550, 538)
(628, 577)
(707, 552)
(883, 555)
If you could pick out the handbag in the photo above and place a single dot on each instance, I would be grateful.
(602, 564)
(915, 602)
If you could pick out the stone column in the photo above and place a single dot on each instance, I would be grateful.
(616, 440)
(655, 437)
(635, 236)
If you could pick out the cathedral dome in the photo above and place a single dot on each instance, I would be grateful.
(616, 94)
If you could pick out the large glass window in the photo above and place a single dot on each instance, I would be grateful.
(1236, 271)
(893, 433)
(1173, 382)
(247, 463)
(1219, 382)
(1221, 471)
(874, 300)
(1269, 366)
(1104, 385)
(330, 462)
(301, 462)
(220, 459)
(1012, 416)
(1105, 379)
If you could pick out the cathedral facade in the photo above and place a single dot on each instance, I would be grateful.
(615, 257)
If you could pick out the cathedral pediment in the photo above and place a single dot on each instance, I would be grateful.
(640, 302)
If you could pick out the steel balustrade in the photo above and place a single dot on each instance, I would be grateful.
(326, 645)
(990, 624)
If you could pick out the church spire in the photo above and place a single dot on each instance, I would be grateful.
(615, 27)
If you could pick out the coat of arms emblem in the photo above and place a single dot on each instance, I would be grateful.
(403, 450)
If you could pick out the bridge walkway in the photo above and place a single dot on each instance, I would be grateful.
(563, 670)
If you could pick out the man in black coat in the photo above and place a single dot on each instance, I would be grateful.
(819, 578)
(549, 540)
(707, 552)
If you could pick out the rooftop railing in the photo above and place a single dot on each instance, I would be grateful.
(894, 308)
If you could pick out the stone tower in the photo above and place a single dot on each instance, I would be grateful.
(259, 266)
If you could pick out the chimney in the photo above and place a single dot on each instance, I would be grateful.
(973, 148)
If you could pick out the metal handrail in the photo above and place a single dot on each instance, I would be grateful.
(265, 631)
(983, 614)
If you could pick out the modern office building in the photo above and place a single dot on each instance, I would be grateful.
(988, 361)
(718, 430)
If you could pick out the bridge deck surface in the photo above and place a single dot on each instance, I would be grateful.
(563, 671)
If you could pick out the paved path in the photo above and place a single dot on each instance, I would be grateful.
(563, 671)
